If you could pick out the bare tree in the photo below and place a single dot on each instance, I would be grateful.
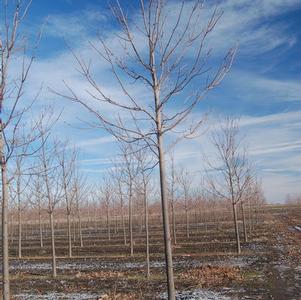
(53, 192)
(129, 173)
(145, 167)
(19, 189)
(172, 192)
(117, 176)
(66, 161)
(185, 180)
(104, 194)
(37, 201)
(172, 66)
(233, 174)
(81, 191)
(13, 107)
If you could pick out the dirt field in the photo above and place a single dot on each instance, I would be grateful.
(206, 266)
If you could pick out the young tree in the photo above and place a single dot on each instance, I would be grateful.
(66, 162)
(37, 200)
(185, 181)
(19, 188)
(104, 194)
(234, 174)
(81, 190)
(129, 172)
(13, 106)
(53, 191)
(117, 176)
(145, 166)
(172, 192)
(172, 66)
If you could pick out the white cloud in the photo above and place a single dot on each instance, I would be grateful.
(272, 139)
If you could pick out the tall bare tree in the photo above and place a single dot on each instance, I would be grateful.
(19, 189)
(233, 174)
(81, 190)
(37, 200)
(104, 194)
(13, 106)
(185, 180)
(117, 176)
(129, 173)
(169, 61)
(172, 191)
(48, 167)
(66, 158)
(145, 167)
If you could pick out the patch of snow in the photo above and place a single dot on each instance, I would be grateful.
(54, 296)
(197, 294)
(298, 228)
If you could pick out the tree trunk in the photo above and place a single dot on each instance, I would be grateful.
(52, 245)
(108, 223)
(167, 239)
(11, 228)
(250, 217)
(131, 221)
(80, 230)
(236, 228)
(20, 232)
(74, 228)
(146, 234)
(116, 224)
(187, 222)
(69, 235)
(173, 221)
(5, 254)
(123, 225)
(244, 221)
(40, 228)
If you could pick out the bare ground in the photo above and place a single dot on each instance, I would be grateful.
(269, 268)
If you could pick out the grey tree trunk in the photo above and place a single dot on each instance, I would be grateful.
(131, 220)
(146, 233)
(80, 230)
(40, 228)
(123, 225)
(244, 221)
(164, 203)
(187, 222)
(20, 232)
(236, 228)
(174, 229)
(108, 223)
(69, 235)
(250, 217)
(52, 245)
(5, 254)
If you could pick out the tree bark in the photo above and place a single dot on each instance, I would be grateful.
(236, 228)
(20, 231)
(40, 227)
(52, 245)
(123, 225)
(187, 222)
(244, 221)
(167, 239)
(174, 229)
(146, 232)
(5, 254)
(131, 221)
(80, 230)
(108, 223)
(69, 235)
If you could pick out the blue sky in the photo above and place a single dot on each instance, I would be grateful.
(263, 87)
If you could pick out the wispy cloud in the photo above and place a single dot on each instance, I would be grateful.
(272, 137)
